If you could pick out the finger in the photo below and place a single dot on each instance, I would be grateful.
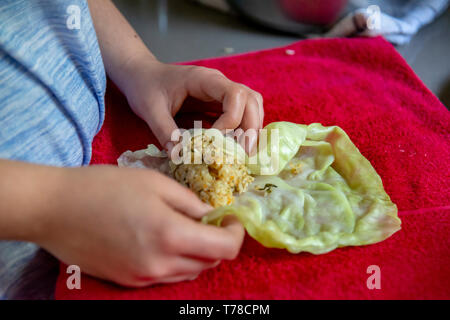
(260, 100)
(192, 105)
(181, 265)
(233, 224)
(161, 122)
(211, 242)
(251, 118)
(251, 123)
(212, 85)
(248, 141)
(183, 200)
(234, 104)
(207, 84)
(179, 268)
(174, 279)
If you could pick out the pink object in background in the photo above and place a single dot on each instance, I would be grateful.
(320, 12)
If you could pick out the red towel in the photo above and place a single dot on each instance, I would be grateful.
(366, 88)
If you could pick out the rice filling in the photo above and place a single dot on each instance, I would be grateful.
(214, 180)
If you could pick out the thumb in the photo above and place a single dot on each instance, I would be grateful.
(162, 124)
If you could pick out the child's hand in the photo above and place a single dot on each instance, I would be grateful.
(156, 92)
(132, 226)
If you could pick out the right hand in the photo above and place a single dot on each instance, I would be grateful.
(134, 227)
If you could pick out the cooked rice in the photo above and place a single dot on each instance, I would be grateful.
(214, 183)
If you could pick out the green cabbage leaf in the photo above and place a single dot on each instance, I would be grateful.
(322, 194)
(317, 192)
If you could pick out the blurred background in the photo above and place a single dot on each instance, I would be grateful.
(183, 30)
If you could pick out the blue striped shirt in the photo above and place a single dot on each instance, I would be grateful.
(52, 86)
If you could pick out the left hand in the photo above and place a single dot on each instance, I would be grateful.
(156, 91)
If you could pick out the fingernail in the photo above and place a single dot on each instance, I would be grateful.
(252, 144)
(169, 146)
(229, 219)
(193, 277)
(207, 208)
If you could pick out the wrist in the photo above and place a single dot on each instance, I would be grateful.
(127, 74)
(66, 191)
(143, 75)
(28, 193)
(50, 203)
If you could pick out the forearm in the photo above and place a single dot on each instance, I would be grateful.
(119, 43)
(27, 196)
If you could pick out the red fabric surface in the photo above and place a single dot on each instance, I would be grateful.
(365, 87)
